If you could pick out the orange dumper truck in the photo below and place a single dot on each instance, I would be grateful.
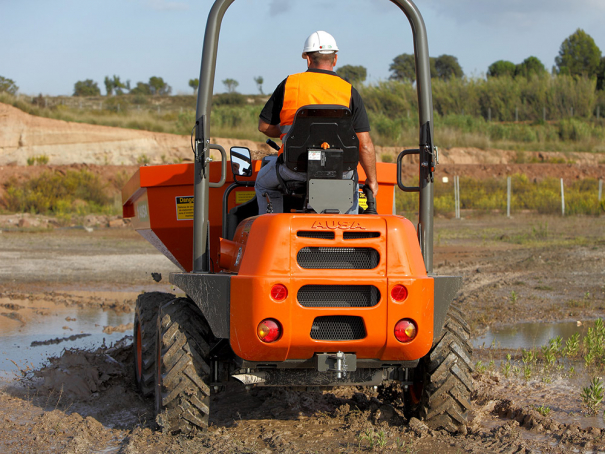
(308, 297)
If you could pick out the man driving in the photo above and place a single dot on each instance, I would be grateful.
(318, 85)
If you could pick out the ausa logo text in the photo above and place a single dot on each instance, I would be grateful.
(333, 225)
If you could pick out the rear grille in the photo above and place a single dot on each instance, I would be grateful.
(311, 234)
(339, 258)
(338, 296)
(360, 235)
(338, 328)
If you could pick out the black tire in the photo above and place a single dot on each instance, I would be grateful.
(145, 325)
(442, 382)
(183, 373)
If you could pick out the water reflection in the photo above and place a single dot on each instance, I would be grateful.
(17, 353)
(530, 335)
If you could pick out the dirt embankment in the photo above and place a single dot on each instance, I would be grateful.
(24, 136)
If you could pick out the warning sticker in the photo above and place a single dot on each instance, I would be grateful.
(243, 196)
(314, 155)
(363, 200)
(184, 208)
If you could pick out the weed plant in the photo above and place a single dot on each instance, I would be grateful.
(550, 361)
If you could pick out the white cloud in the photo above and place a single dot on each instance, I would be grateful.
(278, 7)
(166, 5)
(520, 11)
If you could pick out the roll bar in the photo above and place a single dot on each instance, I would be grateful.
(201, 253)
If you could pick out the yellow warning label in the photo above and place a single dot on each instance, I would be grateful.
(243, 196)
(184, 208)
(363, 200)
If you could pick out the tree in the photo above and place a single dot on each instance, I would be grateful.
(530, 66)
(8, 85)
(501, 68)
(86, 87)
(115, 84)
(108, 86)
(354, 74)
(259, 84)
(194, 83)
(230, 85)
(158, 86)
(141, 89)
(578, 55)
(447, 67)
(403, 68)
(601, 75)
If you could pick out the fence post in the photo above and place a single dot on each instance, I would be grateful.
(457, 196)
(600, 189)
(489, 114)
(544, 114)
(508, 190)
(45, 102)
(562, 199)
(571, 111)
(118, 107)
(598, 112)
(158, 110)
(516, 114)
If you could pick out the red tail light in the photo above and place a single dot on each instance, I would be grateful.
(279, 292)
(405, 330)
(269, 330)
(399, 293)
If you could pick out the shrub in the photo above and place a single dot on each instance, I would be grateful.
(54, 192)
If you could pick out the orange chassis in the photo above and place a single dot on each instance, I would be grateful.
(265, 251)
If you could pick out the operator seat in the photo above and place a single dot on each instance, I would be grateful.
(323, 144)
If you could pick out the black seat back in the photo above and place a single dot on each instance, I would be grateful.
(319, 124)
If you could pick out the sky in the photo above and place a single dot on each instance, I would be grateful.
(48, 45)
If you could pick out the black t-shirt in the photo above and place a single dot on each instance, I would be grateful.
(271, 111)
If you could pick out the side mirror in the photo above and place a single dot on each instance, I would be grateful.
(241, 161)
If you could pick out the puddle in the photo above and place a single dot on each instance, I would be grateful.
(530, 335)
(27, 330)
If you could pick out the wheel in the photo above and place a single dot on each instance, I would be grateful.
(183, 372)
(145, 315)
(442, 384)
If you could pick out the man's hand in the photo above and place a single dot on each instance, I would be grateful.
(268, 130)
(367, 158)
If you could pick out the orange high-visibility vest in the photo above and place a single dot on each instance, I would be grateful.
(311, 88)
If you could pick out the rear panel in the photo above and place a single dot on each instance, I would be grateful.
(339, 272)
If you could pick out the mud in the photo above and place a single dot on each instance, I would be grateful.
(84, 400)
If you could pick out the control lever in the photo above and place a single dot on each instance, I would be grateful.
(272, 144)
(371, 201)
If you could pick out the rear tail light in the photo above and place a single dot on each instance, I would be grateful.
(279, 292)
(405, 330)
(269, 330)
(399, 293)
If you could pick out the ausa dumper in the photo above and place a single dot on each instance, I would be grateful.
(308, 297)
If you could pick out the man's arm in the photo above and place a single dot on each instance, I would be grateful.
(367, 158)
(269, 130)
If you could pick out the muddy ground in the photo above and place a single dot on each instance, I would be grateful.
(524, 269)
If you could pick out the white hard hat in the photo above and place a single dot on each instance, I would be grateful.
(321, 42)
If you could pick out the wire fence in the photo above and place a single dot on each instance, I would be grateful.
(509, 195)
